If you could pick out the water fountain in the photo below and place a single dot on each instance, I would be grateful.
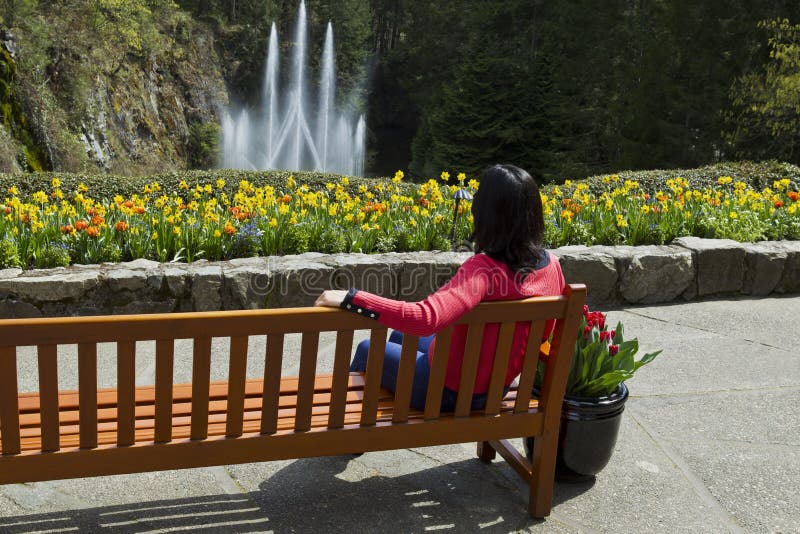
(279, 135)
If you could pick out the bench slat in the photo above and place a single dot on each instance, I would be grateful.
(405, 378)
(47, 359)
(98, 329)
(377, 348)
(237, 376)
(29, 402)
(272, 383)
(441, 353)
(126, 391)
(469, 368)
(305, 389)
(499, 368)
(165, 361)
(30, 423)
(145, 432)
(87, 391)
(528, 374)
(9, 403)
(201, 378)
(341, 365)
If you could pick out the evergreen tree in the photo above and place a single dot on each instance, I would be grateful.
(493, 110)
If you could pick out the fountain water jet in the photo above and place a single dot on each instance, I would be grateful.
(281, 137)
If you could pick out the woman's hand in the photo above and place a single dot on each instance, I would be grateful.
(331, 297)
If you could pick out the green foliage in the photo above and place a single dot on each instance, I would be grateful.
(764, 119)
(32, 157)
(758, 175)
(52, 255)
(107, 185)
(203, 145)
(9, 254)
(13, 12)
(602, 358)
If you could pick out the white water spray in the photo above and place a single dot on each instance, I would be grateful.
(279, 136)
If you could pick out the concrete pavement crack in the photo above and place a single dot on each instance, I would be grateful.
(685, 394)
(700, 489)
(694, 327)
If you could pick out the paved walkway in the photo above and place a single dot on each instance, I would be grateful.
(710, 442)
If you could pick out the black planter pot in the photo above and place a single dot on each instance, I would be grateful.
(588, 433)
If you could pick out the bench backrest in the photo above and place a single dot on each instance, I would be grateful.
(86, 332)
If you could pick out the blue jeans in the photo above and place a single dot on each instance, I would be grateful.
(422, 371)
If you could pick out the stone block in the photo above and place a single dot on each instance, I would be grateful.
(720, 265)
(122, 279)
(591, 266)
(64, 285)
(657, 274)
(376, 273)
(176, 279)
(296, 281)
(422, 273)
(790, 279)
(206, 286)
(764, 266)
(10, 273)
(18, 309)
(145, 306)
(246, 286)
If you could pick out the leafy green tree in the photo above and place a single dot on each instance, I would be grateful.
(766, 102)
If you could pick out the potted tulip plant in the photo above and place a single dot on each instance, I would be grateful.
(595, 396)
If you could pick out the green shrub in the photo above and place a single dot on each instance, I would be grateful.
(108, 185)
(9, 254)
(53, 255)
(758, 175)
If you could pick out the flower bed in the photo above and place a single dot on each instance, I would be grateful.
(55, 226)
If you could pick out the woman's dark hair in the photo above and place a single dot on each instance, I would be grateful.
(508, 219)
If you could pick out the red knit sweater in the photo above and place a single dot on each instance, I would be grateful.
(479, 279)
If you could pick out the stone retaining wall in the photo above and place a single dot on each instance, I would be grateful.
(688, 269)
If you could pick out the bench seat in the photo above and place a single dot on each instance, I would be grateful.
(69, 428)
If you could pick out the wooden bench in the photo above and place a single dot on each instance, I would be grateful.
(52, 434)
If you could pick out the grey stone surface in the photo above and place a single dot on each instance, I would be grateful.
(206, 286)
(10, 273)
(378, 274)
(614, 275)
(17, 309)
(763, 267)
(657, 274)
(246, 286)
(756, 485)
(765, 416)
(177, 280)
(120, 280)
(720, 264)
(296, 280)
(423, 273)
(790, 281)
(62, 285)
(591, 266)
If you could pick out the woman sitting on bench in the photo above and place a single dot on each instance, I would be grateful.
(510, 264)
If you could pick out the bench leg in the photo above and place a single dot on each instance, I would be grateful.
(543, 474)
(486, 452)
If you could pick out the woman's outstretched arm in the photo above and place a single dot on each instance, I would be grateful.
(459, 295)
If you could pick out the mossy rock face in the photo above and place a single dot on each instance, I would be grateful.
(17, 137)
(79, 104)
